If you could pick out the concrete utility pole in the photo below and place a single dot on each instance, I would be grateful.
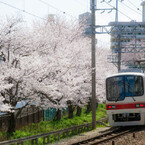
(93, 43)
(119, 53)
(116, 17)
(119, 47)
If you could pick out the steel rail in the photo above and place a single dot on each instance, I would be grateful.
(107, 136)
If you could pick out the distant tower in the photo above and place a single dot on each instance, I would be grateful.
(143, 11)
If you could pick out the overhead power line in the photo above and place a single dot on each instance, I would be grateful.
(23, 11)
(118, 10)
(130, 8)
(134, 5)
(56, 8)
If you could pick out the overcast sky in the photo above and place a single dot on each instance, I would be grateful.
(70, 9)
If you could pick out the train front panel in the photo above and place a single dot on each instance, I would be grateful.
(125, 99)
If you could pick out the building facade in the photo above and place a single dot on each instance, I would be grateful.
(85, 20)
(127, 36)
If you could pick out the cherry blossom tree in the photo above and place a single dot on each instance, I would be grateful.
(103, 69)
(47, 65)
(14, 84)
(66, 77)
(68, 54)
(43, 67)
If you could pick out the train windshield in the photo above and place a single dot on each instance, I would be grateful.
(119, 87)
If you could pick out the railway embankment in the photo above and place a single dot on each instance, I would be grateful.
(82, 136)
(109, 136)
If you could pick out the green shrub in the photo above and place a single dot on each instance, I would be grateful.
(65, 122)
(20, 133)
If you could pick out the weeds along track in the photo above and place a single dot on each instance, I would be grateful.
(109, 135)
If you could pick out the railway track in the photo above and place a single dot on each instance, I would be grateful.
(108, 136)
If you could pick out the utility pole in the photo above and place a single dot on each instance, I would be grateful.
(118, 46)
(119, 53)
(93, 58)
(116, 17)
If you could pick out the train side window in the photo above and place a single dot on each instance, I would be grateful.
(139, 86)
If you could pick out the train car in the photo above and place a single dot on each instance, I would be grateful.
(125, 99)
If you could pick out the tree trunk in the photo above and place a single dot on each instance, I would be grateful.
(96, 104)
(70, 111)
(11, 124)
(79, 111)
(89, 107)
(58, 115)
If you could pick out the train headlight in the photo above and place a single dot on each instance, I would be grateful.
(139, 105)
(111, 107)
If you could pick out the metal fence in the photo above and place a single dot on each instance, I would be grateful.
(30, 115)
(55, 135)
(48, 137)
(50, 113)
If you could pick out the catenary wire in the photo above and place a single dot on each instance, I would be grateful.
(9, 5)
(56, 8)
(23, 11)
(118, 10)
(134, 5)
(130, 8)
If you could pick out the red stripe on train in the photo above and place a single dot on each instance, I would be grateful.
(125, 106)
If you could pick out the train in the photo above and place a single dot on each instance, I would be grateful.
(125, 99)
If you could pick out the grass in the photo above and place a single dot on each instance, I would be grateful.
(65, 122)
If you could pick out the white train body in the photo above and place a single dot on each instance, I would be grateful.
(125, 99)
